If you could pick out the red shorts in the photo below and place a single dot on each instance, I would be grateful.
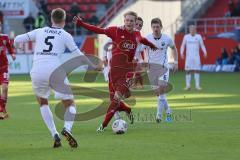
(121, 85)
(4, 78)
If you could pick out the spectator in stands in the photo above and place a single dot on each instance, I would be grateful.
(29, 23)
(94, 20)
(224, 57)
(1, 16)
(232, 57)
(40, 21)
(237, 56)
(238, 8)
(43, 6)
(74, 10)
(219, 61)
(1, 19)
(232, 9)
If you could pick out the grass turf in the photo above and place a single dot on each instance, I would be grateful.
(205, 127)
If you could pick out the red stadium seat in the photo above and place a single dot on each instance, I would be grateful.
(83, 7)
(93, 7)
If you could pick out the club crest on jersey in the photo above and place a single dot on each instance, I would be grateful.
(163, 44)
(122, 37)
(127, 45)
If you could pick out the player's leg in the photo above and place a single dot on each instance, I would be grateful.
(69, 117)
(162, 100)
(127, 110)
(3, 101)
(114, 104)
(188, 80)
(41, 89)
(197, 80)
(47, 117)
(4, 80)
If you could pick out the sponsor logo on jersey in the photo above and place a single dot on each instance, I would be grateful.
(127, 45)
(47, 53)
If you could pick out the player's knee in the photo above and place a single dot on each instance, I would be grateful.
(4, 89)
(118, 96)
(67, 102)
(42, 101)
(162, 97)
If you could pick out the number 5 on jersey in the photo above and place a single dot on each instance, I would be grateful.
(48, 43)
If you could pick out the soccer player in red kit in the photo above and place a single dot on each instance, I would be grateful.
(125, 40)
(5, 44)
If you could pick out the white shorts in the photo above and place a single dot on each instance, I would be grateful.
(41, 88)
(193, 64)
(158, 76)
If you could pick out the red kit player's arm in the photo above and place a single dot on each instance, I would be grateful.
(145, 41)
(9, 46)
(91, 27)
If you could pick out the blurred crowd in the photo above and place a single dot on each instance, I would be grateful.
(232, 58)
(233, 9)
(42, 18)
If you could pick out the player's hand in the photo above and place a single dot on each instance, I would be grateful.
(13, 57)
(154, 48)
(77, 20)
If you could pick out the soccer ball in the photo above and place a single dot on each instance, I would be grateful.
(119, 126)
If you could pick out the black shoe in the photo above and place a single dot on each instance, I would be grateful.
(158, 120)
(71, 141)
(131, 117)
(57, 141)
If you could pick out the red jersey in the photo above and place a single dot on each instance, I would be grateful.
(5, 44)
(124, 44)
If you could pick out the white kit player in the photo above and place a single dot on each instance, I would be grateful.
(160, 58)
(193, 42)
(50, 43)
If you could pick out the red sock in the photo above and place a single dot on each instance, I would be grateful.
(124, 107)
(113, 107)
(3, 102)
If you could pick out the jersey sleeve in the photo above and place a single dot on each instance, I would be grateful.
(144, 40)
(183, 44)
(9, 46)
(202, 45)
(139, 50)
(111, 32)
(22, 38)
(106, 48)
(71, 45)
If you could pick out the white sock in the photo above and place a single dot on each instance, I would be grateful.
(161, 103)
(167, 108)
(197, 79)
(117, 115)
(69, 117)
(48, 119)
(188, 80)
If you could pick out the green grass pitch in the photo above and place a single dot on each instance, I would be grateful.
(206, 125)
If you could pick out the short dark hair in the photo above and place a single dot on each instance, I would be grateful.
(140, 19)
(156, 21)
(58, 15)
(131, 13)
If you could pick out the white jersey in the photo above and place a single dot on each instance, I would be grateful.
(193, 44)
(159, 56)
(50, 43)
